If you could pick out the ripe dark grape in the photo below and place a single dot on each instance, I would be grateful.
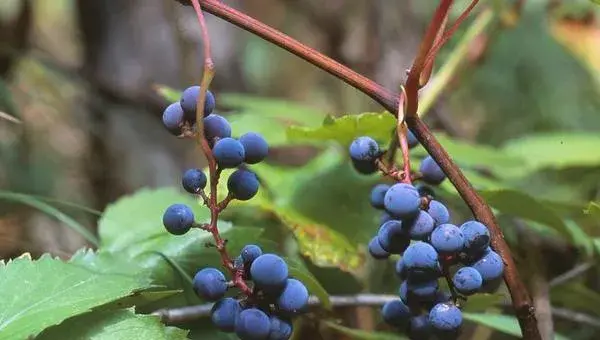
(447, 238)
(250, 253)
(467, 280)
(421, 261)
(401, 269)
(411, 139)
(438, 212)
(210, 284)
(193, 181)
(424, 290)
(178, 219)
(425, 190)
(396, 313)
(280, 329)
(431, 171)
(445, 318)
(269, 272)
(364, 149)
(376, 251)
(242, 184)
(216, 126)
(252, 324)
(385, 216)
(419, 328)
(224, 313)
(421, 226)
(189, 102)
(173, 118)
(477, 236)
(378, 194)
(255, 147)
(364, 167)
(490, 266)
(392, 238)
(228, 152)
(293, 298)
(402, 200)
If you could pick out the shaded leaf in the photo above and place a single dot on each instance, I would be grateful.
(482, 302)
(114, 325)
(299, 271)
(168, 93)
(503, 323)
(577, 296)
(360, 334)
(344, 129)
(593, 209)
(38, 294)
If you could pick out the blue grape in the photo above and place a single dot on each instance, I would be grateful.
(255, 147)
(439, 212)
(293, 298)
(364, 149)
(477, 236)
(401, 269)
(421, 261)
(216, 126)
(392, 237)
(424, 290)
(228, 152)
(242, 184)
(470, 257)
(193, 181)
(178, 219)
(269, 272)
(396, 313)
(490, 266)
(376, 251)
(425, 190)
(189, 102)
(250, 253)
(224, 313)
(419, 328)
(402, 200)
(447, 238)
(280, 329)
(364, 167)
(431, 171)
(210, 284)
(385, 216)
(467, 280)
(252, 324)
(445, 318)
(411, 139)
(172, 118)
(421, 226)
(378, 194)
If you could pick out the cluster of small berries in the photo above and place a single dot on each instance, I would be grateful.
(418, 227)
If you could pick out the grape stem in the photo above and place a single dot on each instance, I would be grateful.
(521, 299)
(214, 171)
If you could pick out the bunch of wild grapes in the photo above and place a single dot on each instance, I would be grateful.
(271, 297)
(418, 227)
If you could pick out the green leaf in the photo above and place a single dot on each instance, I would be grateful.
(51, 211)
(593, 210)
(577, 296)
(344, 129)
(38, 294)
(168, 93)
(597, 2)
(502, 323)
(482, 302)
(267, 116)
(557, 150)
(114, 325)
(300, 272)
(361, 335)
(519, 204)
(138, 217)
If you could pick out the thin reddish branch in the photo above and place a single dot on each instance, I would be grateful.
(448, 34)
(214, 172)
(520, 297)
(428, 66)
(402, 131)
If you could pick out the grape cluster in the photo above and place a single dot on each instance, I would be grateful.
(265, 314)
(418, 227)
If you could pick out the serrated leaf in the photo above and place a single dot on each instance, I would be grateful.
(114, 325)
(502, 323)
(557, 150)
(520, 204)
(344, 129)
(360, 334)
(38, 294)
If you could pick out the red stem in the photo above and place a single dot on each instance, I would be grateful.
(214, 172)
(520, 297)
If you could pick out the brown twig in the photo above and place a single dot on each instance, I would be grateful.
(214, 171)
(520, 297)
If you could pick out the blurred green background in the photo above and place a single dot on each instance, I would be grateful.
(519, 110)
